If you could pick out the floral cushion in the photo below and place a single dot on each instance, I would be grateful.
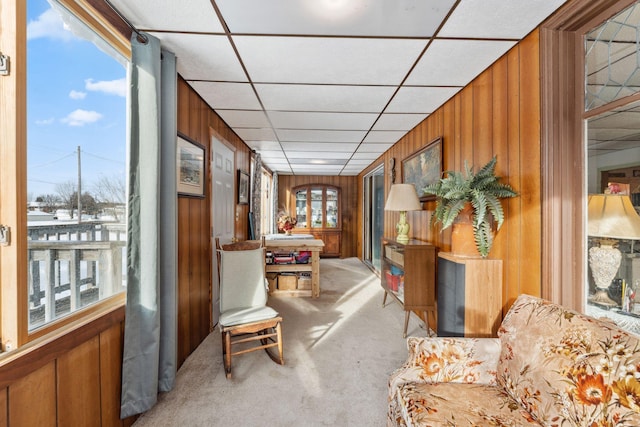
(451, 404)
(568, 369)
(434, 360)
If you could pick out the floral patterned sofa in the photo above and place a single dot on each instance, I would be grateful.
(549, 366)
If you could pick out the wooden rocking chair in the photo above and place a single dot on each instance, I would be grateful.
(244, 316)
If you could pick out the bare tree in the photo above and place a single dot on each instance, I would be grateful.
(48, 202)
(111, 193)
(68, 193)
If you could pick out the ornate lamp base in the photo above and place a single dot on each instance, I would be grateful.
(402, 227)
(604, 262)
(601, 297)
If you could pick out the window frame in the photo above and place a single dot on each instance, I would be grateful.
(14, 331)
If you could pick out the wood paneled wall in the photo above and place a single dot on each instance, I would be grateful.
(348, 197)
(197, 120)
(71, 380)
(497, 114)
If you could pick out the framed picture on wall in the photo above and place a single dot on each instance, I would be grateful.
(190, 173)
(243, 188)
(423, 167)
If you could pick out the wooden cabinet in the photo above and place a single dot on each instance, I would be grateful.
(409, 276)
(318, 211)
(469, 296)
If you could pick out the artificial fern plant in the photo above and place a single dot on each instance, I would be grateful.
(483, 190)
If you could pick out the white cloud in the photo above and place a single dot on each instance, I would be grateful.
(81, 117)
(44, 122)
(49, 24)
(111, 87)
(74, 94)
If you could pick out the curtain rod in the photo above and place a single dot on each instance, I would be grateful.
(142, 38)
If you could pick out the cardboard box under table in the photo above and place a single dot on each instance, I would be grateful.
(287, 281)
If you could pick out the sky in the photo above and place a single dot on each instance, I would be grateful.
(76, 96)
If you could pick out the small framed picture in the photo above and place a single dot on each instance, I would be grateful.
(636, 173)
(190, 174)
(243, 188)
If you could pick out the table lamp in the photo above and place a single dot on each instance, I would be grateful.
(610, 216)
(402, 198)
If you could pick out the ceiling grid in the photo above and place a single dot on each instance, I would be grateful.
(323, 87)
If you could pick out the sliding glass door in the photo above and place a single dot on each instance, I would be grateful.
(373, 216)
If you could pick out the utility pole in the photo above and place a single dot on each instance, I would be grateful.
(79, 188)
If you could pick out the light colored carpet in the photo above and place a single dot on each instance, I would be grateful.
(339, 350)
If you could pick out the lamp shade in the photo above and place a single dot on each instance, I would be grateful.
(612, 216)
(403, 197)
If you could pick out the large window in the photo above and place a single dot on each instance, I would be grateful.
(76, 165)
(612, 68)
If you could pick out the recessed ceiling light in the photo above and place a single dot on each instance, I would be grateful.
(336, 10)
(318, 162)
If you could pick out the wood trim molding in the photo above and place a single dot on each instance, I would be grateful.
(13, 176)
(38, 353)
(563, 153)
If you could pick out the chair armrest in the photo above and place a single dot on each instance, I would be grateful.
(439, 359)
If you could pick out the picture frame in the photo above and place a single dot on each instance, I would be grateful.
(243, 187)
(190, 172)
(636, 173)
(424, 167)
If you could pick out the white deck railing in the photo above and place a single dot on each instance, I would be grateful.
(66, 275)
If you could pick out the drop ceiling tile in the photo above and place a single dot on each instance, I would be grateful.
(404, 122)
(412, 99)
(299, 135)
(364, 156)
(244, 118)
(285, 170)
(317, 155)
(412, 18)
(316, 169)
(456, 62)
(264, 145)
(324, 146)
(511, 19)
(203, 56)
(228, 96)
(279, 166)
(258, 134)
(310, 120)
(352, 170)
(387, 136)
(324, 98)
(328, 60)
(170, 15)
(610, 134)
(373, 147)
(619, 120)
(360, 162)
(273, 156)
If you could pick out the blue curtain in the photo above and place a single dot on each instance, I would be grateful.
(150, 337)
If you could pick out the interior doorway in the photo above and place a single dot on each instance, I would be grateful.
(222, 210)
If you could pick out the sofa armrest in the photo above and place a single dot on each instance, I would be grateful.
(439, 359)
(436, 360)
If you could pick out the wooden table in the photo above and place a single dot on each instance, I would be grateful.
(297, 245)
